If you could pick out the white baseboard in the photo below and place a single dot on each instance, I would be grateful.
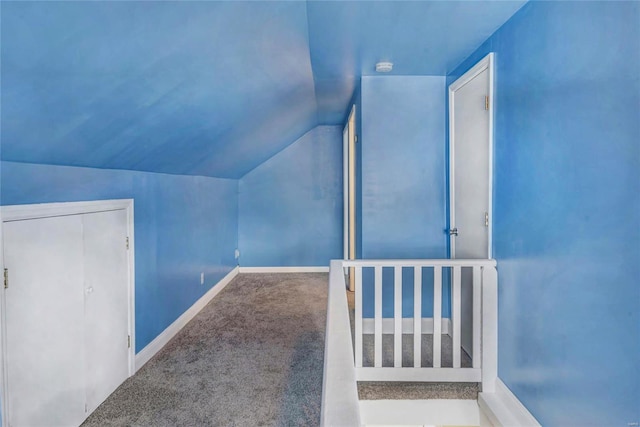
(317, 269)
(388, 325)
(161, 340)
(504, 409)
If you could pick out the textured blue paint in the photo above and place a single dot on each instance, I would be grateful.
(347, 38)
(567, 209)
(291, 205)
(333, 97)
(201, 88)
(403, 167)
(420, 37)
(206, 88)
(184, 225)
(403, 180)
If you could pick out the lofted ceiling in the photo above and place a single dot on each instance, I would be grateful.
(208, 88)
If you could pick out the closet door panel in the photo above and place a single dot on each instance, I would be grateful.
(106, 304)
(44, 315)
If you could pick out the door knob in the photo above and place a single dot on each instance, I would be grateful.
(453, 232)
(89, 290)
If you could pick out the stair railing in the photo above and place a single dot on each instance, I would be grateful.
(340, 406)
(343, 367)
(479, 276)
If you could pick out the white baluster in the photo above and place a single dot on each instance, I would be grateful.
(417, 317)
(397, 315)
(456, 302)
(437, 316)
(358, 320)
(378, 317)
(477, 313)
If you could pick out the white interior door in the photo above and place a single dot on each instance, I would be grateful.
(45, 317)
(470, 103)
(470, 207)
(68, 311)
(106, 315)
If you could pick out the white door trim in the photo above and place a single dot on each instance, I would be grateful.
(345, 190)
(46, 210)
(485, 63)
(349, 153)
(351, 208)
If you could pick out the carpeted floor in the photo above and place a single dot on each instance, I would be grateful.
(253, 356)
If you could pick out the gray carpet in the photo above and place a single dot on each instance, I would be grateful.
(253, 356)
(426, 353)
(372, 390)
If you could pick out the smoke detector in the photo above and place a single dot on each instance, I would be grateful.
(384, 67)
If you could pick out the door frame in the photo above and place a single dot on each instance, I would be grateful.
(345, 191)
(47, 210)
(486, 63)
(349, 166)
(349, 177)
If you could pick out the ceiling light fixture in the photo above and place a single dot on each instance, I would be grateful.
(384, 67)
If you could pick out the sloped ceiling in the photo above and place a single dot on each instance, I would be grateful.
(207, 88)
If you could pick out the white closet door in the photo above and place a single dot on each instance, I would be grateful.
(106, 304)
(44, 314)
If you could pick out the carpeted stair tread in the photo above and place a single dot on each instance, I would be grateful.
(416, 391)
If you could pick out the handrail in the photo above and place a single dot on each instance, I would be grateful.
(418, 262)
(340, 406)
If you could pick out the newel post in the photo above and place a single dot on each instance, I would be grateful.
(489, 328)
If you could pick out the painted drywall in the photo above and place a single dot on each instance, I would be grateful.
(199, 88)
(567, 209)
(184, 225)
(347, 38)
(403, 167)
(403, 179)
(206, 88)
(291, 205)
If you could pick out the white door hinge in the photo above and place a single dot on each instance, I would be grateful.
(486, 219)
(128, 341)
(6, 278)
(486, 102)
(127, 242)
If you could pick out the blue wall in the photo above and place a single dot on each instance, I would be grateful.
(184, 225)
(403, 167)
(403, 180)
(567, 209)
(291, 205)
